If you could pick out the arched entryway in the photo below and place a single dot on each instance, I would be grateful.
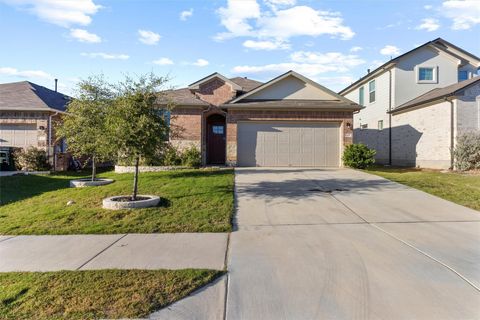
(216, 139)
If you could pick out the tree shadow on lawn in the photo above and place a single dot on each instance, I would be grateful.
(193, 173)
(20, 187)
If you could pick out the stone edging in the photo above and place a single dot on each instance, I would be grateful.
(131, 169)
(109, 203)
(87, 182)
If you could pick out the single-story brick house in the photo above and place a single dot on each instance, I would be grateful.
(287, 121)
(27, 114)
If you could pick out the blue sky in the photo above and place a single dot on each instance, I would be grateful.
(332, 42)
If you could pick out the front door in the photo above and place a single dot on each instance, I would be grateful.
(216, 137)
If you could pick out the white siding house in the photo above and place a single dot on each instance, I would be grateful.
(420, 136)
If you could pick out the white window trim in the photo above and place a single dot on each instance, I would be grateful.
(375, 90)
(435, 74)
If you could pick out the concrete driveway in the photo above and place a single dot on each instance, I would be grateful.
(342, 244)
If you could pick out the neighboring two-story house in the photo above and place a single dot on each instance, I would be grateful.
(417, 104)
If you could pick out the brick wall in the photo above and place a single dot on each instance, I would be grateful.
(270, 115)
(186, 127)
(215, 92)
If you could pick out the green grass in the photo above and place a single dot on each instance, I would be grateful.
(463, 189)
(95, 294)
(192, 201)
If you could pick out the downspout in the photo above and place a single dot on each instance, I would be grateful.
(452, 132)
(50, 138)
(389, 117)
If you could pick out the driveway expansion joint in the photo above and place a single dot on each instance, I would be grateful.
(8, 238)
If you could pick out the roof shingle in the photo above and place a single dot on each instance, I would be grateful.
(436, 94)
(29, 96)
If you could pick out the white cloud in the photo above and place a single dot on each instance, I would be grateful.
(246, 19)
(106, 56)
(428, 24)
(275, 4)
(163, 61)
(390, 50)
(201, 63)
(308, 63)
(148, 37)
(84, 36)
(64, 13)
(464, 13)
(303, 21)
(356, 49)
(235, 18)
(427, 7)
(184, 15)
(265, 45)
(25, 73)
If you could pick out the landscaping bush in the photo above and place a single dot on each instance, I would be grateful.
(191, 157)
(358, 156)
(171, 156)
(31, 159)
(467, 152)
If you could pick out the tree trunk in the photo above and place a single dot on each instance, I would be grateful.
(135, 180)
(94, 168)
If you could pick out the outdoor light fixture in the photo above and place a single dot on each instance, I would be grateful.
(41, 128)
(349, 125)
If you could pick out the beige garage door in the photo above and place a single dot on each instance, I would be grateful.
(279, 144)
(18, 135)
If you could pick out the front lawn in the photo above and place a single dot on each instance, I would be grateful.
(95, 294)
(463, 189)
(192, 201)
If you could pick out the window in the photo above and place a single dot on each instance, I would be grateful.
(217, 129)
(361, 93)
(371, 91)
(364, 126)
(165, 114)
(426, 75)
(462, 75)
(380, 124)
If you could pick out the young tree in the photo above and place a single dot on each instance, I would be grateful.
(136, 124)
(84, 124)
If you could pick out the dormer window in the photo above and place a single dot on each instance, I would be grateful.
(426, 75)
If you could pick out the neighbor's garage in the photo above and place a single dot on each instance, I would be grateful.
(18, 135)
(284, 144)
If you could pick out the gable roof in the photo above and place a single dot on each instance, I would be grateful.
(183, 96)
(437, 43)
(283, 76)
(29, 96)
(196, 84)
(246, 84)
(437, 94)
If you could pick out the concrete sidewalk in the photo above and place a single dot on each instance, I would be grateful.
(123, 251)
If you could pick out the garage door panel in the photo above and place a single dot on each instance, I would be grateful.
(288, 144)
(18, 135)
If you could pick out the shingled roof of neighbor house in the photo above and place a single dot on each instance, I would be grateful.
(185, 96)
(29, 96)
(436, 94)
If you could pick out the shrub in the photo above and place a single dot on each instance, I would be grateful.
(171, 156)
(358, 156)
(467, 151)
(31, 159)
(191, 157)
